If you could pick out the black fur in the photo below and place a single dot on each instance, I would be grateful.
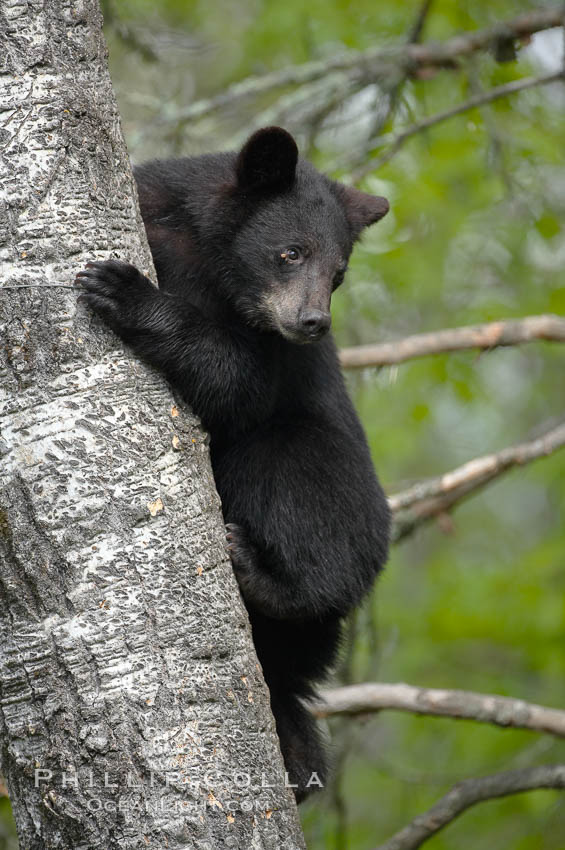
(248, 248)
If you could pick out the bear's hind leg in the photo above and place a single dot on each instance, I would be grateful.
(302, 745)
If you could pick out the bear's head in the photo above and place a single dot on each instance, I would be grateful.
(293, 232)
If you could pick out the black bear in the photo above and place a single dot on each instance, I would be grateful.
(248, 248)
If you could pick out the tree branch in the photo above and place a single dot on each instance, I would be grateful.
(469, 792)
(397, 141)
(486, 337)
(376, 62)
(436, 496)
(392, 90)
(417, 27)
(309, 105)
(484, 708)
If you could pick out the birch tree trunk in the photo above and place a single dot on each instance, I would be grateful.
(133, 712)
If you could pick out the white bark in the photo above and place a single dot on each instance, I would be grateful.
(127, 671)
(439, 702)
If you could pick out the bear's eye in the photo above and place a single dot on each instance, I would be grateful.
(290, 255)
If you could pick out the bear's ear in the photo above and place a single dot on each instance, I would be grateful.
(361, 209)
(267, 161)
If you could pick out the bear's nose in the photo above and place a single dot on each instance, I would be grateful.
(315, 322)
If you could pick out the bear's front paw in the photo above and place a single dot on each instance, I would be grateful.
(116, 291)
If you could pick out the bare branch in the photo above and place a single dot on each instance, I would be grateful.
(436, 496)
(391, 88)
(486, 337)
(417, 28)
(377, 62)
(484, 708)
(496, 140)
(469, 792)
(397, 142)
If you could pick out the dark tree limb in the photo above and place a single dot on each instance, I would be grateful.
(484, 708)
(436, 496)
(485, 337)
(377, 62)
(469, 792)
(417, 28)
(392, 88)
(308, 105)
(398, 141)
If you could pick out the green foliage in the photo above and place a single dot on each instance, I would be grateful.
(8, 839)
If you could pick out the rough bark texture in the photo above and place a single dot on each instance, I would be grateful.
(127, 673)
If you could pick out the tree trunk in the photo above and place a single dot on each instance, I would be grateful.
(133, 712)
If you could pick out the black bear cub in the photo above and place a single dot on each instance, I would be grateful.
(248, 248)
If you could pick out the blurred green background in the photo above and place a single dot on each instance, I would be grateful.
(476, 232)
